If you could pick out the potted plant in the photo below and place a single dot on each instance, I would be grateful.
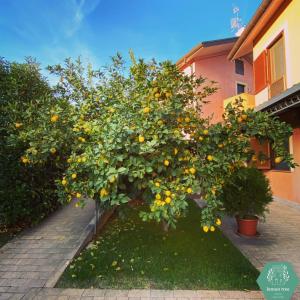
(246, 196)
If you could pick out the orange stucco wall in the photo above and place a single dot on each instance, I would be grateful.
(286, 185)
(221, 70)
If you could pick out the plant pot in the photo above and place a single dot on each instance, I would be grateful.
(247, 227)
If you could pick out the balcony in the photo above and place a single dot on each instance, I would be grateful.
(248, 100)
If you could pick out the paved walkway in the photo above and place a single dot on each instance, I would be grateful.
(38, 256)
(101, 294)
(279, 238)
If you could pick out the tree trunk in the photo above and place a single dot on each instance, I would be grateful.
(165, 225)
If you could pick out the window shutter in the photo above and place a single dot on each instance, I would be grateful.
(259, 150)
(260, 72)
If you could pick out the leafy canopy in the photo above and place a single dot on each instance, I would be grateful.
(138, 134)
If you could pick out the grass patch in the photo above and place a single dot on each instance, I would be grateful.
(133, 254)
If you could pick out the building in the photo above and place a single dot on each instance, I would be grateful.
(272, 38)
(209, 59)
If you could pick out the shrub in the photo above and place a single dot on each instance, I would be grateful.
(246, 193)
(27, 192)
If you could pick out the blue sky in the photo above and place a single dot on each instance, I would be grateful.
(51, 30)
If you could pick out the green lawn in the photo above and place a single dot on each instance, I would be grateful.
(133, 254)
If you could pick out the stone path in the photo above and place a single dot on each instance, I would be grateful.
(101, 294)
(37, 257)
(279, 238)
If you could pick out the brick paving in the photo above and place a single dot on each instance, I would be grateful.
(279, 238)
(36, 257)
(101, 294)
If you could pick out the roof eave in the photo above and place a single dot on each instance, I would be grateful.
(259, 12)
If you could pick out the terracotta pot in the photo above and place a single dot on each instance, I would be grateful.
(247, 227)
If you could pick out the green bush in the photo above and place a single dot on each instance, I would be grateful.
(26, 192)
(247, 193)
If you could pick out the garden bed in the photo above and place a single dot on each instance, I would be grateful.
(130, 253)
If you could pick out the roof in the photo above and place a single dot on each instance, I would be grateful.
(264, 16)
(288, 99)
(207, 48)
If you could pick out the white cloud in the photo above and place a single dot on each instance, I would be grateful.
(79, 10)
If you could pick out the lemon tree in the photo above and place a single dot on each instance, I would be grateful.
(138, 133)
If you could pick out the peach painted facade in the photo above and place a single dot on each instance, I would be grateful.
(210, 61)
(272, 36)
(286, 184)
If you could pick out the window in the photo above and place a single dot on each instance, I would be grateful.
(283, 165)
(276, 59)
(276, 67)
(239, 67)
(269, 68)
(240, 88)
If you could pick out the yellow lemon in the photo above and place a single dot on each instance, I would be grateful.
(79, 160)
(192, 170)
(168, 200)
(167, 193)
(187, 119)
(53, 150)
(212, 228)
(141, 139)
(175, 151)
(54, 118)
(78, 195)
(18, 125)
(168, 94)
(189, 190)
(146, 110)
(166, 162)
(244, 117)
(218, 222)
(157, 196)
(103, 192)
(278, 160)
(157, 95)
(112, 179)
(83, 159)
(210, 157)
(74, 175)
(220, 145)
(64, 182)
(25, 160)
(205, 132)
(205, 228)
(157, 184)
(200, 138)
